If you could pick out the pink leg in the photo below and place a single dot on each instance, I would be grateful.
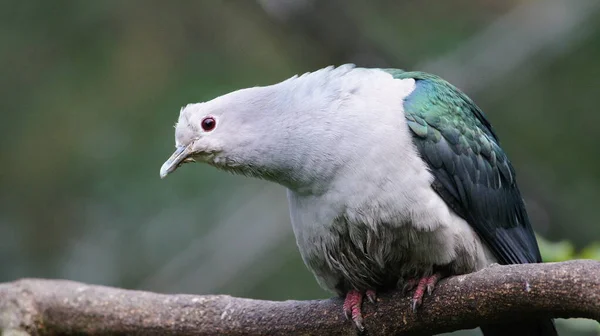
(424, 284)
(352, 308)
(431, 282)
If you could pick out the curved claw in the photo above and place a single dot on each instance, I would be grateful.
(425, 285)
(414, 304)
(347, 313)
(409, 285)
(431, 282)
(353, 306)
(417, 299)
(371, 295)
(358, 322)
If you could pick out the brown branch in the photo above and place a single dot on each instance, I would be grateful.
(496, 294)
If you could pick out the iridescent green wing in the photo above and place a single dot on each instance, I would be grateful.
(472, 173)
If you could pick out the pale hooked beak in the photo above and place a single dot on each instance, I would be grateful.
(180, 156)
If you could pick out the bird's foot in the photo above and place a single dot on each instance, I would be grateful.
(353, 306)
(423, 285)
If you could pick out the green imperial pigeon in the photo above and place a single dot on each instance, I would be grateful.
(394, 178)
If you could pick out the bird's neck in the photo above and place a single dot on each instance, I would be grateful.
(320, 125)
(295, 140)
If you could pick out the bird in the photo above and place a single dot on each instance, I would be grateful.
(395, 179)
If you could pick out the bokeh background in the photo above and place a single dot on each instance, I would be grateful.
(90, 90)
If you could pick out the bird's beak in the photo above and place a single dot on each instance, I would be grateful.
(180, 156)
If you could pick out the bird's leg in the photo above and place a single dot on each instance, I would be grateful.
(425, 284)
(353, 306)
(431, 282)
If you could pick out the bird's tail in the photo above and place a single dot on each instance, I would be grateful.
(542, 327)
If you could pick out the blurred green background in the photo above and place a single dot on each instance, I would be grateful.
(90, 90)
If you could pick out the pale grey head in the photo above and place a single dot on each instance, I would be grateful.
(219, 132)
(286, 133)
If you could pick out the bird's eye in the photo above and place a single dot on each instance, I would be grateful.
(208, 124)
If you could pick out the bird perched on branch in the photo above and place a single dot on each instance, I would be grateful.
(394, 178)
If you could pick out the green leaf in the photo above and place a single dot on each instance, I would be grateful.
(556, 251)
(590, 252)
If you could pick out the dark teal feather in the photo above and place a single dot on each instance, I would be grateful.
(472, 173)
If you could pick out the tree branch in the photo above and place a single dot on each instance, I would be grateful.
(495, 294)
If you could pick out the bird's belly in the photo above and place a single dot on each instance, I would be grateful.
(354, 256)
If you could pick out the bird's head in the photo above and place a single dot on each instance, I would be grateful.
(195, 138)
(216, 132)
(291, 133)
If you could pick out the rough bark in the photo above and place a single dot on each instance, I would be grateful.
(496, 294)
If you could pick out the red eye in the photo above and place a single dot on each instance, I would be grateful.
(208, 124)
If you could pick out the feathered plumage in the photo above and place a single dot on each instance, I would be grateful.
(394, 178)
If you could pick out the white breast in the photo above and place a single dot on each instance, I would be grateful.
(383, 181)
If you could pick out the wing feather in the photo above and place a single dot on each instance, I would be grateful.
(472, 173)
